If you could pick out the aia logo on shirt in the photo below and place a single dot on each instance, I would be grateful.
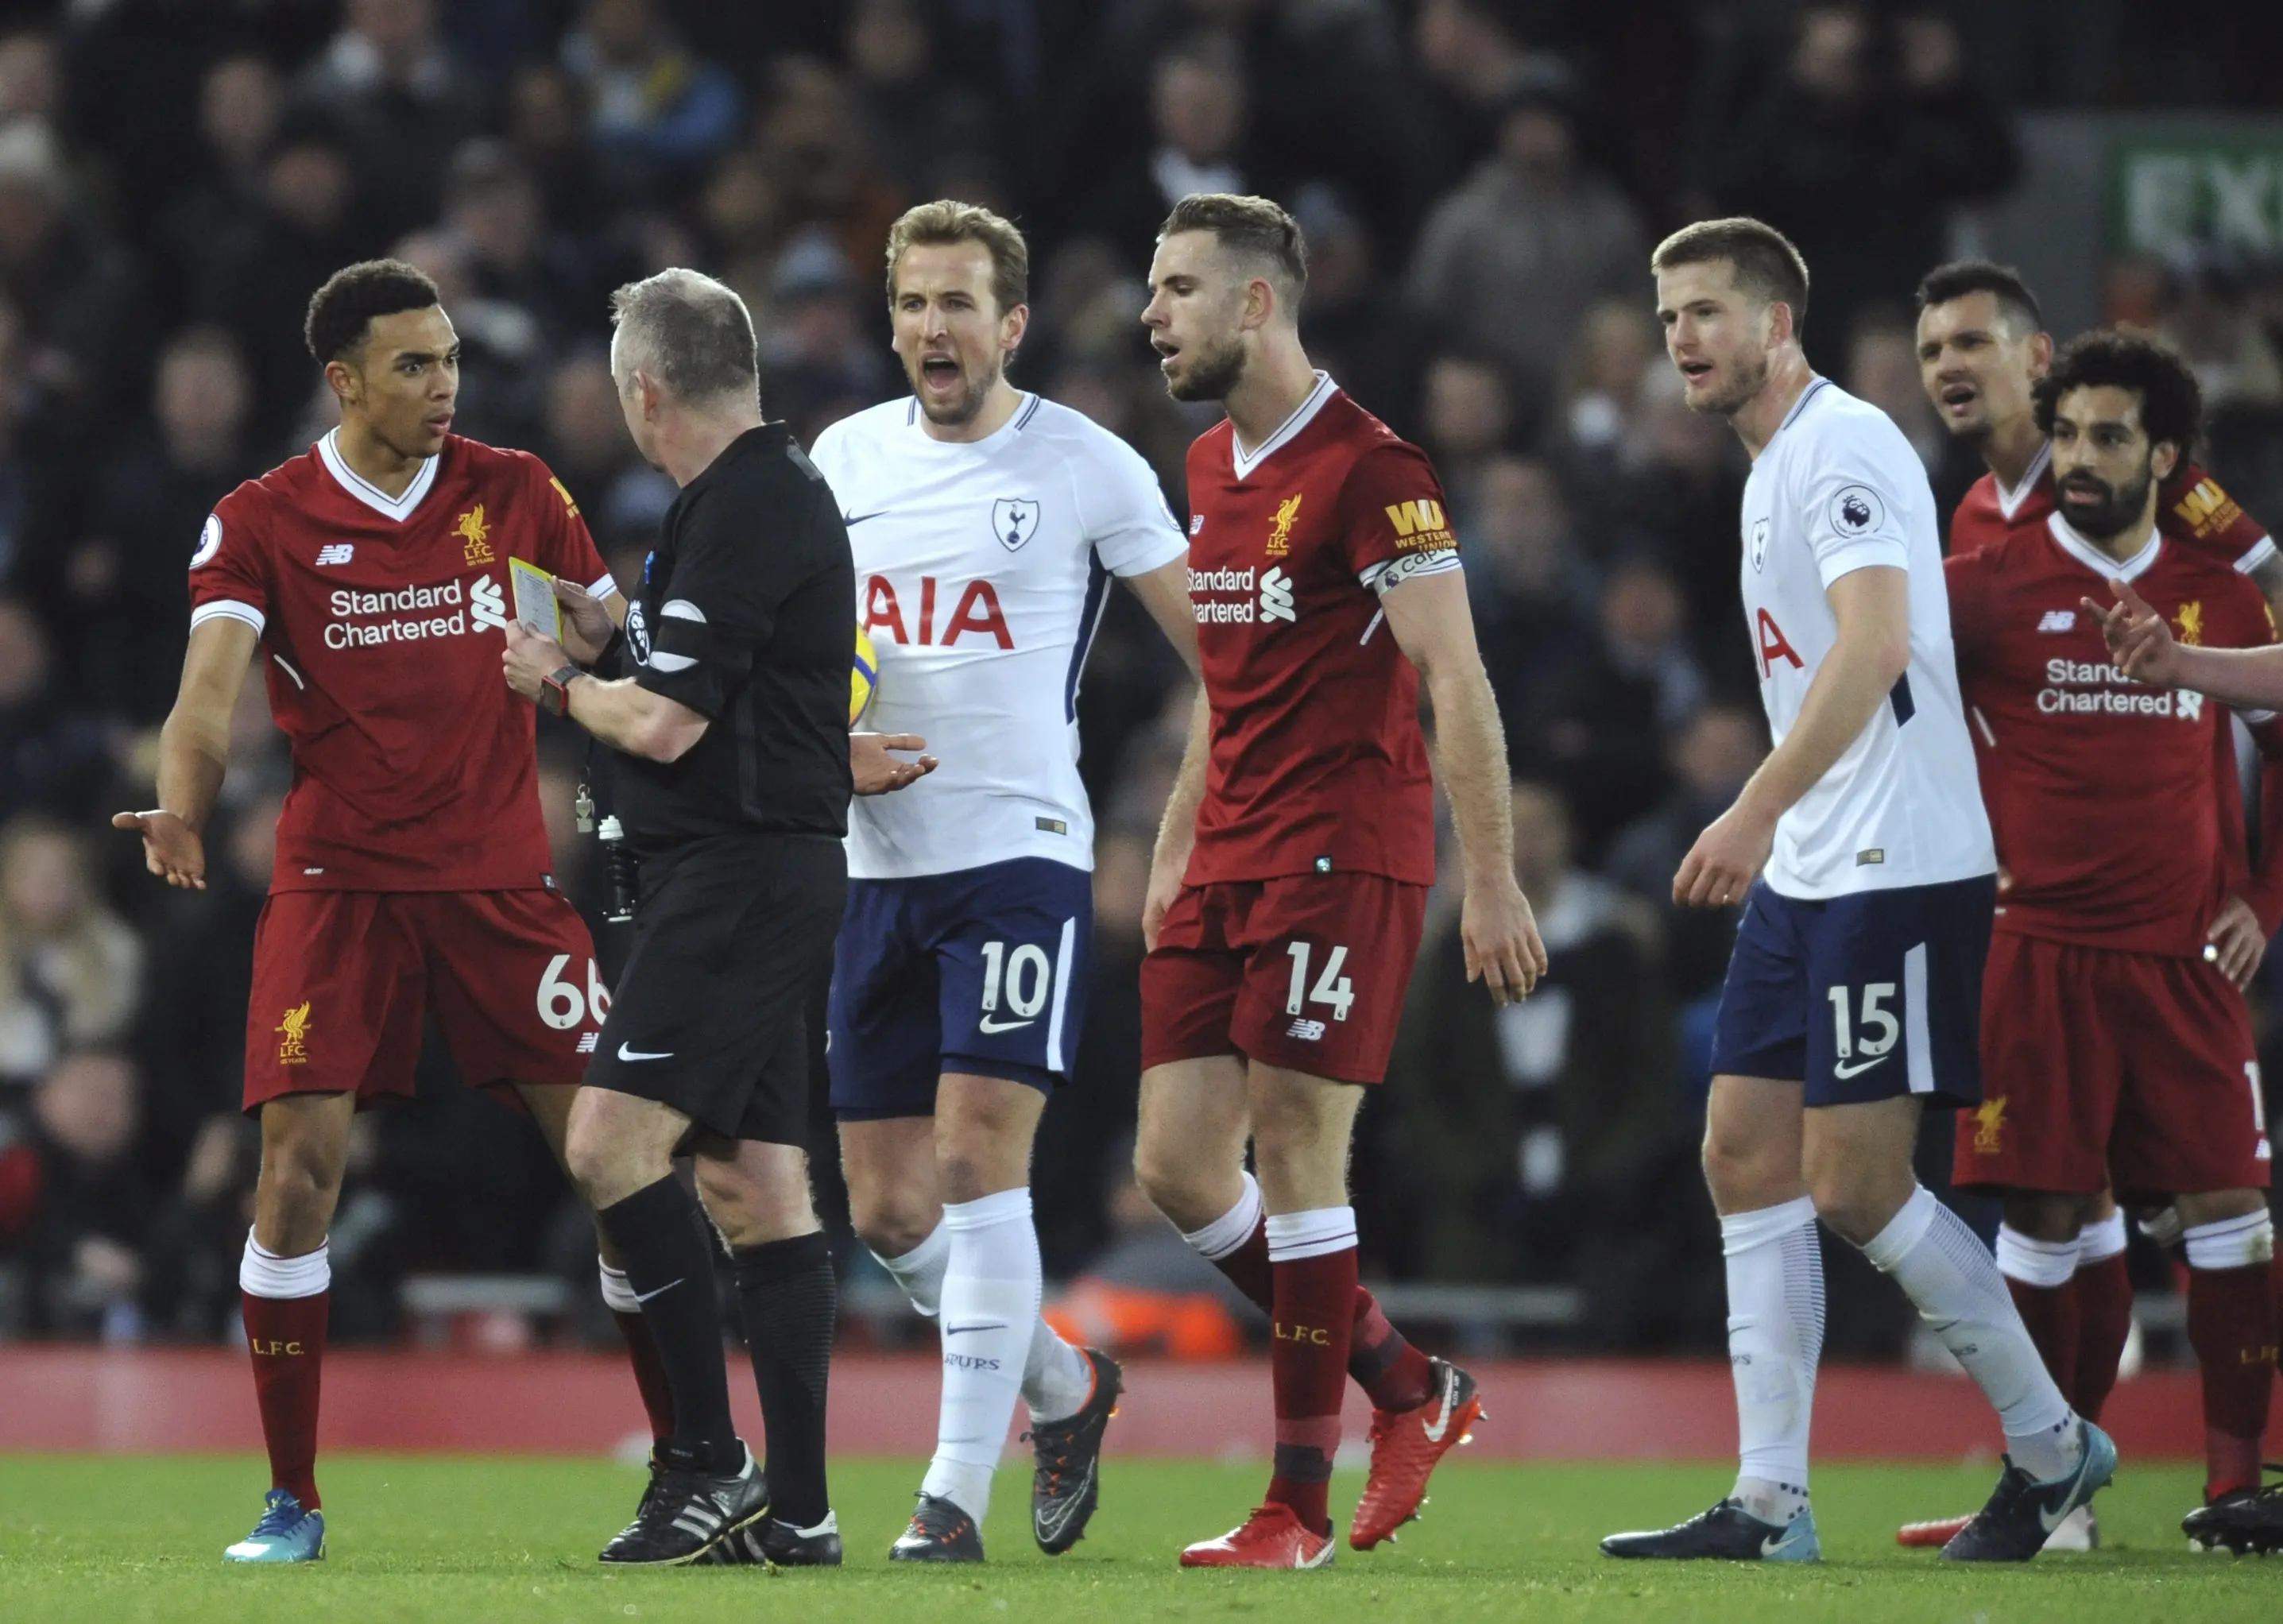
(975, 614)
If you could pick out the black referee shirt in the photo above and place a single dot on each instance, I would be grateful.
(747, 616)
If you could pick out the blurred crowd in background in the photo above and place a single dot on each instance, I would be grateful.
(1480, 182)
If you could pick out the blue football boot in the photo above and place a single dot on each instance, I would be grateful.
(2022, 1512)
(285, 1532)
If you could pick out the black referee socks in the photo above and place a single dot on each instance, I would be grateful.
(791, 1302)
(667, 1247)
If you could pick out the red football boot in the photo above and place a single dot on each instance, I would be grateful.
(1937, 1534)
(1271, 1537)
(1404, 1446)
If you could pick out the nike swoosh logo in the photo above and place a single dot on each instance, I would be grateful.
(1772, 1544)
(996, 1325)
(988, 1025)
(626, 1054)
(1051, 1527)
(854, 519)
(1843, 1070)
(1442, 1422)
(660, 1292)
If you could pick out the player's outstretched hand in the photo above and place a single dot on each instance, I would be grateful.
(587, 624)
(2138, 640)
(877, 772)
(1500, 934)
(1725, 860)
(171, 848)
(2236, 943)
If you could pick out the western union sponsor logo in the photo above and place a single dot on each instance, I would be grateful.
(2207, 509)
(1410, 517)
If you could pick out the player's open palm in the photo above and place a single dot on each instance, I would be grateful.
(2138, 640)
(1499, 935)
(171, 848)
(877, 772)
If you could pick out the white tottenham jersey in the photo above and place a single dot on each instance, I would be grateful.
(1839, 489)
(981, 573)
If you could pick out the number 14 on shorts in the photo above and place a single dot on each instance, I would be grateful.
(1331, 988)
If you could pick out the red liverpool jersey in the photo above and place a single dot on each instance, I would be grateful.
(382, 619)
(2101, 792)
(1318, 762)
(2191, 509)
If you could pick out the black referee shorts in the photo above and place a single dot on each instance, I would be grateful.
(732, 942)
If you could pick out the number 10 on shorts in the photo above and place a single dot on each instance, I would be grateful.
(1331, 987)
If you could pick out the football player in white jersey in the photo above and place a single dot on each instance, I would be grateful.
(1855, 992)
(986, 524)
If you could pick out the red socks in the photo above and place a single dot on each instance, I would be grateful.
(1313, 1322)
(1384, 1365)
(2232, 1327)
(2104, 1305)
(286, 1337)
(2051, 1314)
(650, 1371)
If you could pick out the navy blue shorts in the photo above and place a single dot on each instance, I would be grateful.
(1860, 997)
(982, 972)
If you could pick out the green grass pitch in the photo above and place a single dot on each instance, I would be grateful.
(457, 1538)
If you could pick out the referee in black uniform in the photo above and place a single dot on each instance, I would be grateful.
(732, 722)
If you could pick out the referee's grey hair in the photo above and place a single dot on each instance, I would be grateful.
(692, 333)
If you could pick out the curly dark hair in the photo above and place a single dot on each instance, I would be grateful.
(2171, 401)
(341, 313)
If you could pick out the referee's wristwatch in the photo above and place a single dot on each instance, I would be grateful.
(555, 688)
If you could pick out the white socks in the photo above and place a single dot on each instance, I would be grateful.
(1945, 1270)
(262, 1273)
(990, 1309)
(1232, 1229)
(1775, 1337)
(2046, 1264)
(2230, 1243)
(2099, 1240)
(1057, 1378)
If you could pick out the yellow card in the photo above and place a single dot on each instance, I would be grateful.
(535, 603)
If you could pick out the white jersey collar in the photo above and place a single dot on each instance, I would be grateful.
(1244, 461)
(397, 508)
(2011, 498)
(2101, 564)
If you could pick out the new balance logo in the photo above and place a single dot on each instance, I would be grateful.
(1305, 1030)
(336, 552)
(488, 605)
(1276, 595)
(587, 1043)
(2059, 620)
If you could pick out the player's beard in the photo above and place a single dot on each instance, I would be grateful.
(961, 412)
(1215, 374)
(1745, 381)
(2119, 508)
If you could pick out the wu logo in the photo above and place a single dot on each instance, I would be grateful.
(293, 1031)
(1410, 517)
(1279, 529)
(1014, 520)
(472, 529)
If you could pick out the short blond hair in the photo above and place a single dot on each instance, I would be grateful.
(1765, 265)
(946, 221)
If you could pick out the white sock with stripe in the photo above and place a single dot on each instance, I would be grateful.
(1056, 1377)
(990, 1309)
(1775, 1261)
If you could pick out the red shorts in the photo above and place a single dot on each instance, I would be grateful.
(343, 979)
(2101, 1066)
(1306, 973)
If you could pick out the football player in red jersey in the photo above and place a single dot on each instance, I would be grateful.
(1291, 877)
(2115, 1037)
(370, 574)
(1982, 348)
